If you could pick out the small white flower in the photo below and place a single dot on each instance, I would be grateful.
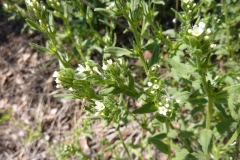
(70, 89)
(149, 84)
(57, 80)
(212, 45)
(194, 4)
(208, 31)
(155, 86)
(185, 1)
(190, 31)
(206, 38)
(160, 103)
(55, 74)
(99, 106)
(188, 6)
(104, 67)
(174, 20)
(178, 100)
(59, 86)
(162, 110)
(167, 105)
(152, 92)
(120, 60)
(109, 61)
(197, 31)
(97, 71)
(202, 25)
(80, 69)
(189, 11)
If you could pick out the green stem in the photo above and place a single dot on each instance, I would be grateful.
(225, 11)
(169, 141)
(124, 145)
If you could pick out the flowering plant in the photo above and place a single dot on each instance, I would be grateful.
(191, 93)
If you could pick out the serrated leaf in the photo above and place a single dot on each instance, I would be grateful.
(205, 140)
(155, 56)
(33, 24)
(41, 48)
(181, 154)
(146, 108)
(119, 52)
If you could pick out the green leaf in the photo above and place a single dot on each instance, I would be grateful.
(234, 101)
(183, 70)
(205, 140)
(33, 24)
(67, 96)
(172, 134)
(146, 108)
(119, 52)
(107, 12)
(52, 24)
(155, 56)
(161, 118)
(185, 134)
(182, 96)
(180, 155)
(106, 90)
(158, 2)
(225, 128)
(131, 83)
(41, 49)
(5, 116)
(159, 145)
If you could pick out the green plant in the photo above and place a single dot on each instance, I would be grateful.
(192, 92)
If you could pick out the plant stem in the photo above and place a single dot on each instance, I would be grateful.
(124, 145)
(169, 140)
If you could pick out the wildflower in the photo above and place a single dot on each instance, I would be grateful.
(57, 80)
(155, 86)
(212, 45)
(104, 67)
(208, 31)
(149, 84)
(59, 86)
(186, 1)
(174, 20)
(162, 110)
(80, 69)
(197, 29)
(120, 60)
(70, 89)
(55, 74)
(109, 61)
(99, 106)
(194, 4)
(206, 37)
(96, 70)
(152, 92)
(167, 105)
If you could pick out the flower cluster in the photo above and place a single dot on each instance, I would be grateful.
(56, 75)
(154, 85)
(54, 3)
(164, 106)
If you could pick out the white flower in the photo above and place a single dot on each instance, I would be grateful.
(57, 80)
(55, 74)
(206, 37)
(167, 99)
(109, 61)
(167, 105)
(160, 103)
(194, 4)
(190, 31)
(70, 89)
(162, 110)
(208, 31)
(155, 86)
(99, 105)
(197, 30)
(178, 100)
(104, 67)
(212, 45)
(202, 25)
(149, 84)
(120, 60)
(96, 70)
(59, 86)
(174, 20)
(80, 69)
(185, 1)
